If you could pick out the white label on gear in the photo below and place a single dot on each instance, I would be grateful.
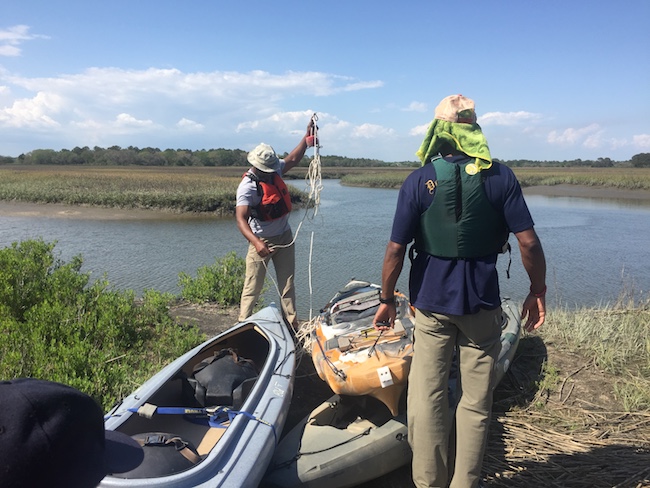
(385, 378)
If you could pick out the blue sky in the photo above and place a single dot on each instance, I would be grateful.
(552, 80)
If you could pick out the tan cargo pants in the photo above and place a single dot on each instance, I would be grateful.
(284, 262)
(448, 450)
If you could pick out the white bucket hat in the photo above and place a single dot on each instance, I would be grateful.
(263, 157)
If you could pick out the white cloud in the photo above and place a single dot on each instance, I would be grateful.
(371, 131)
(127, 120)
(103, 91)
(9, 50)
(508, 118)
(419, 130)
(170, 108)
(278, 122)
(595, 140)
(188, 124)
(573, 136)
(12, 37)
(416, 107)
(616, 143)
(363, 85)
(642, 141)
(330, 128)
(33, 112)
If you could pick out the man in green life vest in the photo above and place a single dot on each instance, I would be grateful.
(458, 210)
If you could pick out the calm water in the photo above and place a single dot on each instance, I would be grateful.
(595, 249)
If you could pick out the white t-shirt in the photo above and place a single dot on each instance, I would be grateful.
(247, 196)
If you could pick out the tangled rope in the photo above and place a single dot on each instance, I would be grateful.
(315, 185)
(304, 334)
(314, 175)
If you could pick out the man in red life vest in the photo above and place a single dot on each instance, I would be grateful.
(263, 207)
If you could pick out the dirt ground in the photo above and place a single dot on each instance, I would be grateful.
(575, 436)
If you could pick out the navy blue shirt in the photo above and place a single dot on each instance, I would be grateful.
(456, 286)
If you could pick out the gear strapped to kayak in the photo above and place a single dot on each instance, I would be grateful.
(225, 378)
(164, 454)
(220, 384)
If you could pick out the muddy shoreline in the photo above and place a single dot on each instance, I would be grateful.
(54, 210)
(581, 191)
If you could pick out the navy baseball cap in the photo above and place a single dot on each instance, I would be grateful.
(53, 435)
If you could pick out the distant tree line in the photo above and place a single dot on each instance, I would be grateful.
(149, 156)
(637, 161)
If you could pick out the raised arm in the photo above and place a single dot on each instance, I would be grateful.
(295, 156)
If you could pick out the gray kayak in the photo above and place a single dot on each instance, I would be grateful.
(213, 417)
(347, 440)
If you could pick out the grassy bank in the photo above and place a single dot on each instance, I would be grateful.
(620, 178)
(574, 408)
(177, 189)
(616, 339)
(39, 294)
(213, 189)
(572, 411)
(56, 324)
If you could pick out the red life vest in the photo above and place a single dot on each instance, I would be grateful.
(276, 200)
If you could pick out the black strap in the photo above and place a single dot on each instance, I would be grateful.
(254, 178)
(179, 444)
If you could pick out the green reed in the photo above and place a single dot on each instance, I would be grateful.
(188, 190)
(616, 338)
(210, 189)
(622, 178)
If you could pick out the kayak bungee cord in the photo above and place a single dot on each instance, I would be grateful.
(219, 417)
(341, 374)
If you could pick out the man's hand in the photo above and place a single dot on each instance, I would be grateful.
(385, 317)
(262, 248)
(533, 312)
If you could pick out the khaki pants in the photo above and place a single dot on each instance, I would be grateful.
(448, 450)
(284, 262)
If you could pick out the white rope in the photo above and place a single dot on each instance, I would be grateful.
(311, 289)
(304, 334)
(314, 181)
(314, 175)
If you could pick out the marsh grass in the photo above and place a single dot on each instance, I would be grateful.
(621, 178)
(176, 189)
(377, 179)
(213, 189)
(616, 338)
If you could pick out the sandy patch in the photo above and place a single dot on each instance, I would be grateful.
(578, 191)
(54, 210)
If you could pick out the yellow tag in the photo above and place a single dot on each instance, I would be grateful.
(471, 169)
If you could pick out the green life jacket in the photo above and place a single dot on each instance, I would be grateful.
(460, 222)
